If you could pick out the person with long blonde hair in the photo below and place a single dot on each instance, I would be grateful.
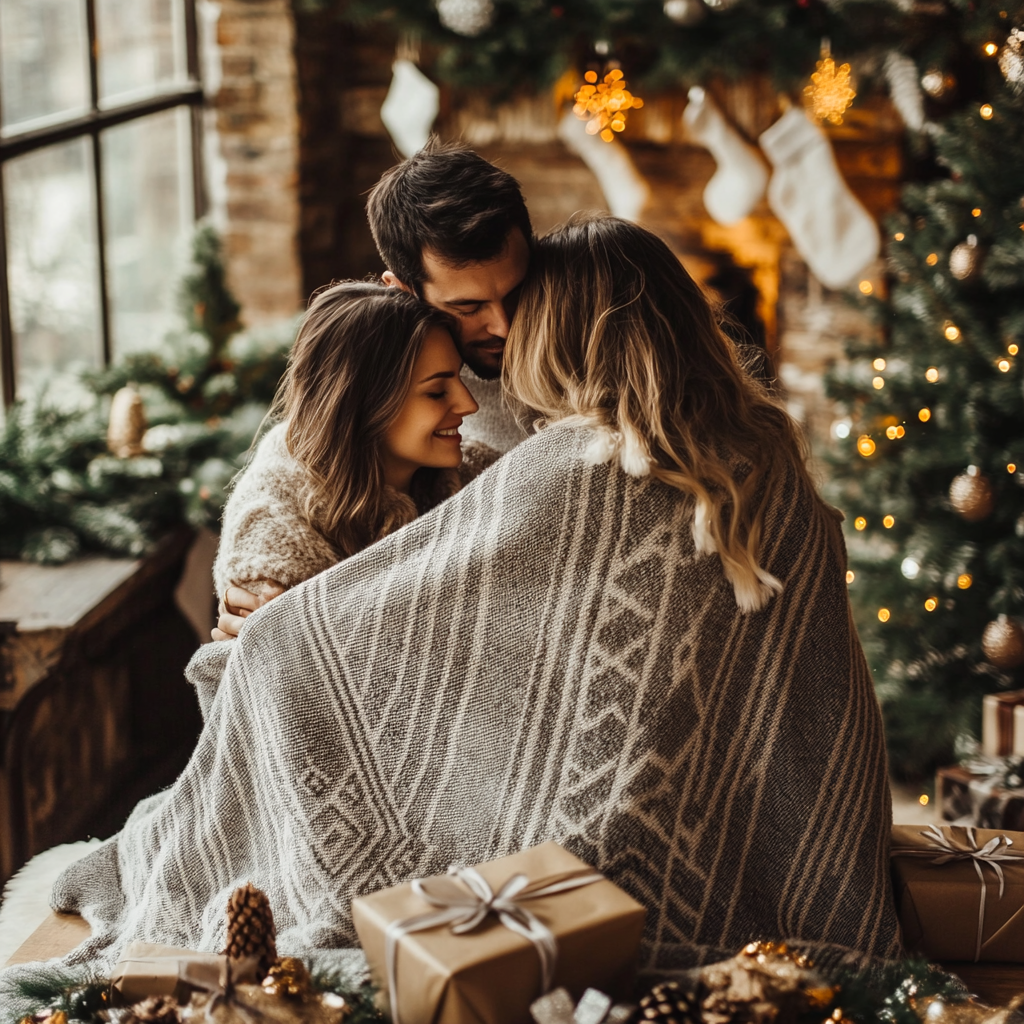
(611, 333)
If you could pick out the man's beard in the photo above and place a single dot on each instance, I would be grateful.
(486, 365)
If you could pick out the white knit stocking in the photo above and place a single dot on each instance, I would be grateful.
(738, 183)
(830, 228)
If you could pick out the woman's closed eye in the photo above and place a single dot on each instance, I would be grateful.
(468, 310)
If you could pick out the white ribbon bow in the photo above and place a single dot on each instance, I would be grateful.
(466, 906)
(988, 854)
(593, 1008)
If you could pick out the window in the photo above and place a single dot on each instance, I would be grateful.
(100, 177)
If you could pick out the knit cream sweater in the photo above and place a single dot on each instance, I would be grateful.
(266, 538)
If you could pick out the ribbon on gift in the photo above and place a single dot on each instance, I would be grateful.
(594, 1007)
(942, 850)
(220, 985)
(466, 906)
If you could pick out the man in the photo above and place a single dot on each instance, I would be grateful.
(453, 229)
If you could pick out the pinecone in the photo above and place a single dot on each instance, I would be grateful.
(251, 931)
(670, 1003)
(154, 1010)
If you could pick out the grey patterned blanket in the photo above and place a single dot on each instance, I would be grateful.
(541, 657)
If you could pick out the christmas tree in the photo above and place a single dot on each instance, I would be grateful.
(203, 395)
(929, 465)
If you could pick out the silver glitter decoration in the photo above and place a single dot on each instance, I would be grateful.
(685, 12)
(466, 17)
(1011, 60)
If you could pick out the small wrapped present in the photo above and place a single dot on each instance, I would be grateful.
(977, 795)
(960, 891)
(146, 969)
(479, 945)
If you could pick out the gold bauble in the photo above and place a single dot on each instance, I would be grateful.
(1003, 642)
(965, 259)
(971, 495)
(127, 423)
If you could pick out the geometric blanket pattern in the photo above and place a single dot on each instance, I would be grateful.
(543, 656)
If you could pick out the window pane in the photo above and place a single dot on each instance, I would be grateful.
(52, 267)
(147, 206)
(141, 46)
(44, 60)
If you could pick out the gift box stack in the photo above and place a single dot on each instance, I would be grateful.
(989, 790)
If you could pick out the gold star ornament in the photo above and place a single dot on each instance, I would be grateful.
(829, 94)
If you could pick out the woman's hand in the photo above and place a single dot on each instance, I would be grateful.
(236, 604)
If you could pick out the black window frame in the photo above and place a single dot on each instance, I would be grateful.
(92, 124)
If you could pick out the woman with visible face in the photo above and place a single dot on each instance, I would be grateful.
(371, 406)
(426, 430)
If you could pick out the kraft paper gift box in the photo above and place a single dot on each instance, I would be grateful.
(491, 974)
(947, 910)
(147, 969)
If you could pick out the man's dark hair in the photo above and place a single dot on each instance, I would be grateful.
(449, 200)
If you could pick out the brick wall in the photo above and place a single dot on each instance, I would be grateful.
(254, 98)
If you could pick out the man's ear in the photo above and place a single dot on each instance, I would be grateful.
(392, 282)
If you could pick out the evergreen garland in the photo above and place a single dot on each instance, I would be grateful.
(205, 394)
(530, 43)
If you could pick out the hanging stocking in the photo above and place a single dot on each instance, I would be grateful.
(625, 191)
(410, 107)
(738, 184)
(831, 230)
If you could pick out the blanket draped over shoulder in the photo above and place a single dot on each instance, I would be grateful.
(541, 657)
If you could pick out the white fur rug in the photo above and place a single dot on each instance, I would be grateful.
(26, 898)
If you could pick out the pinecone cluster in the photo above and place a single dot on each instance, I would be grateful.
(251, 931)
(670, 1003)
(767, 983)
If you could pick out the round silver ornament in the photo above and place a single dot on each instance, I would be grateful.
(1011, 60)
(685, 12)
(466, 17)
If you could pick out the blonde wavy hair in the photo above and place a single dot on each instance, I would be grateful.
(612, 332)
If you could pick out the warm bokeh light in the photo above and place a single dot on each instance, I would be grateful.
(878, 383)
(931, 374)
(860, 523)
(1004, 365)
(866, 287)
(890, 432)
(976, 212)
(889, 522)
(991, 49)
(1012, 349)
(951, 331)
(1011, 467)
(924, 415)
(899, 236)
(865, 445)
(931, 604)
(986, 111)
(923, 799)
(879, 363)
(850, 575)
(932, 258)
(900, 431)
(964, 580)
(883, 614)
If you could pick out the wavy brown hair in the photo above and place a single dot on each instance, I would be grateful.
(348, 374)
(612, 332)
